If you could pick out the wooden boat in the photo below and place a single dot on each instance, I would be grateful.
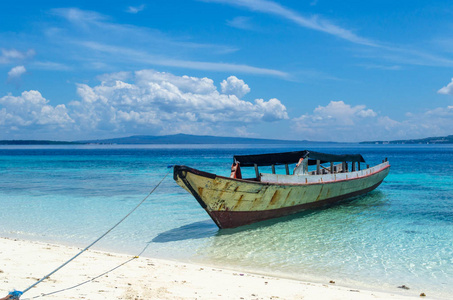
(234, 201)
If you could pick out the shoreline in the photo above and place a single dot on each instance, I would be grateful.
(24, 262)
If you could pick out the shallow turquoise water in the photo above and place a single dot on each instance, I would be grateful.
(401, 233)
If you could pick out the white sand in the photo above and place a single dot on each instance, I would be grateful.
(22, 263)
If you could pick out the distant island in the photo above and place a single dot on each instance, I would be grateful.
(180, 139)
(177, 139)
(36, 142)
(191, 139)
(430, 140)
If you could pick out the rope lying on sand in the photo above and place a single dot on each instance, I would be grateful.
(92, 279)
(15, 295)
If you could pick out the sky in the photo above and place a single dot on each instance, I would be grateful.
(318, 70)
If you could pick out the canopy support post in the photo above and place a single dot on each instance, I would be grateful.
(256, 171)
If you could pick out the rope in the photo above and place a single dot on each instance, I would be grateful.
(92, 279)
(18, 294)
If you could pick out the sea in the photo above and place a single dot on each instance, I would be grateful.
(399, 234)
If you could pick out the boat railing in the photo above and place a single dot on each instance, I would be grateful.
(312, 177)
(343, 167)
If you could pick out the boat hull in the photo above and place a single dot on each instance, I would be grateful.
(237, 202)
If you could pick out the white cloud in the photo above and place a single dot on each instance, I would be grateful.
(135, 9)
(144, 57)
(12, 55)
(150, 102)
(433, 122)
(162, 98)
(30, 111)
(241, 23)
(409, 56)
(380, 50)
(163, 103)
(48, 65)
(273, 110)
(381, 67)
(184, 83)
(234, 86)
(339, 121)
(341, 113)
(78, 16)
(313, 22)
(336, 121)
(16, 72)
(112, 77)
(96, 41)
(447, 90)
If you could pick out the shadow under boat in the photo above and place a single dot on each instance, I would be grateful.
(196, 230)
(207, 228)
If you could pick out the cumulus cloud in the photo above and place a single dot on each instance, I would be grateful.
(336, 121)
(16, 72)
(142, 102)
(273, 110)
(185, 84)
(234, 86)
(339, 113)
(437, 121)
(151, 102)
(447, 90)
(342, 122)
(31, 113)
(165, 103)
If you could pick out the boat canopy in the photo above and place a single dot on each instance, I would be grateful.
(284, 158)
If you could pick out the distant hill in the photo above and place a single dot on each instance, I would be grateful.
(36, 142)
(163, 140)
(191, 139)
(179, 139)
(429, 140)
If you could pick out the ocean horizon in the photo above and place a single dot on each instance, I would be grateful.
(399, 234)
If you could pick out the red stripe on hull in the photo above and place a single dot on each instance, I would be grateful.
(232, 219)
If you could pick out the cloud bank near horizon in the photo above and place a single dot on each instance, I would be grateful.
(158, 103)
(142, 102)
(339, 121)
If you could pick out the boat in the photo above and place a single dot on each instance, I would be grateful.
(318, 179)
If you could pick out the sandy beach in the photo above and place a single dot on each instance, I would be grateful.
(24, 262)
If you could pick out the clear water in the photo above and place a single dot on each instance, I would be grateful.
(401, 233)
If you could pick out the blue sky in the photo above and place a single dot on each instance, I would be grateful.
(311, 70)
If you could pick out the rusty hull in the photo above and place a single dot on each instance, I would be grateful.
(236, 202)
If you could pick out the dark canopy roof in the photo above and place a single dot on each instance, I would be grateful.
(293, 157)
